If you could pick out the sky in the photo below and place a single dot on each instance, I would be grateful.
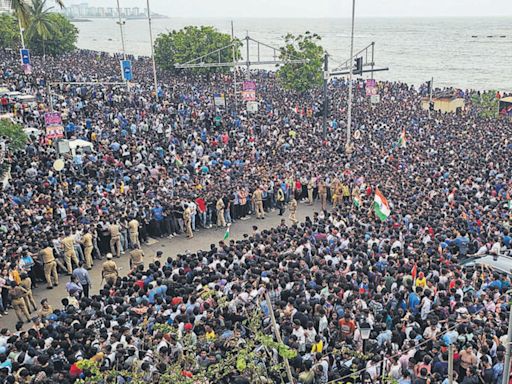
(316, 8)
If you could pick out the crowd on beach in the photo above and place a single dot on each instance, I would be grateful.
(174, 164)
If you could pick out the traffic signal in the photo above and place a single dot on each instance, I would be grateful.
(358, 66)
(429, 86)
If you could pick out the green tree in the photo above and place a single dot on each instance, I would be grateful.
(21, 11)
(486, 103)
(41, 24)
(62, 38)
(191, 42)
(304, 76)
(9, 33)
(14, 135)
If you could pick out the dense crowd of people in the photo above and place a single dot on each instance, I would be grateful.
(175, 164)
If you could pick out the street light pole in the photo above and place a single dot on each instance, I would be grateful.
(350, 76)
(120, 22)
(506, 369)
(152, 52)
(21, 34)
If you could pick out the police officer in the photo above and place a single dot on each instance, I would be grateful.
(293, 210)
(68, 245)
(221, 222)
(87, 241)
(187, 220)
(136, 257)
(322, 191)
(311, 187)
(17, 295)
(26, 282)
(109, 270)
(133, 228)
(258, 202)
(49, 266)
(115, 239)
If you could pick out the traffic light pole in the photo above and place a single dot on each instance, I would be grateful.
(350, 76)
(326, 100)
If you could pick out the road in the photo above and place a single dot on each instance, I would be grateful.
(170, 247)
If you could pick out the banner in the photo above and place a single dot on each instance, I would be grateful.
(249, 91)
(25, 56)
(252, 106)
(371, 87)
(126, 70)
(219, 100)
(54, 128)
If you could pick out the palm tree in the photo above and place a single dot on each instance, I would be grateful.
(22, 11)
(41, 25)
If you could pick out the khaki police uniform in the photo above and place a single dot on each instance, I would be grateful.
(109, 272)
(115, 240)
(293, 211)
(311, 187)
(133, 227)
(258, 201)
(187, 220)
(322, 192)
(50, 267)
(18, 302)
(29, 298)
(68, 243)
(88, 247)
(136, 258)
(221, 222)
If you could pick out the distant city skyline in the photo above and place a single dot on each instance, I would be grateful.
(315, 9)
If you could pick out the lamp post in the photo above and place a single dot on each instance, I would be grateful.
(349, 108)
(121, 23)
(152, 52)
(365, 330)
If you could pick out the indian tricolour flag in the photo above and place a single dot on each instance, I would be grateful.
(356, 198)
(381, 205)
(402, 140)
(226, 235)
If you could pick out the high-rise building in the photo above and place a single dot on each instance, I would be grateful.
(127, 11)
(5, 6)
(135, 11)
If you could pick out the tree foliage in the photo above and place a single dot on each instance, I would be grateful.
(9, 34)
(14, 135)
(486, 103)
(191, 42)
(47, 32)
(305, 76)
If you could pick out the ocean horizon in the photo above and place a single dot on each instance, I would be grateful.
(461, 52)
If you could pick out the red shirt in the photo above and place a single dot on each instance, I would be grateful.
(201, 205)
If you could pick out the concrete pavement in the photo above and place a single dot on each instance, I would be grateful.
(170, 247)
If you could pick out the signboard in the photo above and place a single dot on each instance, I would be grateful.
(249, 91)
(25, 56)
(219, 99)
(371, 87)
(126, 70)
(375, 99)
(54, 128)
(252, 106)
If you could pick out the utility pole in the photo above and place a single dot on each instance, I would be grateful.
(21, 33)
(248, 74)
(430, 96)
(278, 336)
(152, 51)
(234, 66)
(120, 22)
(450, 364)
(326, 101)
(506, 369)
(350, 76)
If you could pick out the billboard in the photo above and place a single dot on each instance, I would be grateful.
(249, 91)
(371, 87)
(54, 128)
(219, 99)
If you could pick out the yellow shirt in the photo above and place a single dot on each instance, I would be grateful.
(421, 282)
(210, 335)
(317, 347)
